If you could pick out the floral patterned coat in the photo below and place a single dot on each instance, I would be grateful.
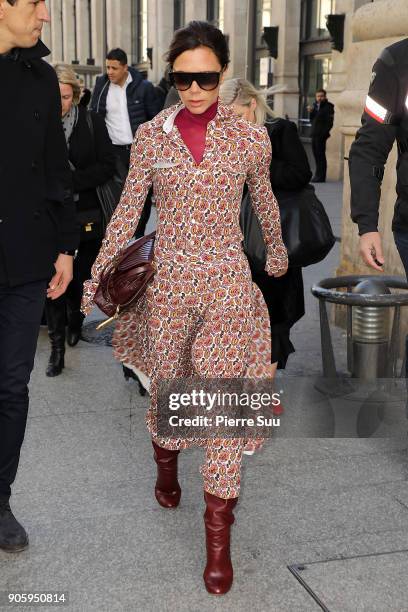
(198, 208)
(197, 204)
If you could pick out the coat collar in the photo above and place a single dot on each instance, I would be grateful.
(224, 112)
(24, 55)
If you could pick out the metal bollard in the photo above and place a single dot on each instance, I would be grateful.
(370, 325)
(371, 350)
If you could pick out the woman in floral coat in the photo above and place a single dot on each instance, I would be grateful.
(197, 317)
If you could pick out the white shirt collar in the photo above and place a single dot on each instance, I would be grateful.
(169, 123)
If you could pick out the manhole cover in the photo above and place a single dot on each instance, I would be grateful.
(90, 334)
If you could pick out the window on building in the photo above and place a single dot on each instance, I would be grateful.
(262, 70)
(139, 31)
(313, 24)
(179, 14)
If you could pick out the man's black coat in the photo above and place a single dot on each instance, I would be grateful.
(37, 215)
(93, 158)
(322, 119)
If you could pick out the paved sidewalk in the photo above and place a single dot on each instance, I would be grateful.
(85, 493)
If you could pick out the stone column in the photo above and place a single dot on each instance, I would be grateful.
(98, 32)
(286, 15)
(196, 9)
(69, 30)
(119, 24)
(160, 32)
(82, 25)
(373, 27)
(56, 31)
(236, 26)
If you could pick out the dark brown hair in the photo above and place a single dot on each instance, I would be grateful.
(199, 34)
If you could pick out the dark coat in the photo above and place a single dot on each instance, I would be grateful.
(36, 207)
(284, 296)
(384, 121)
(92, 157)
(322, 119)
(143, 101)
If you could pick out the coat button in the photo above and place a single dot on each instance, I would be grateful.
(37, 214)
(36, 115)
(34, 165)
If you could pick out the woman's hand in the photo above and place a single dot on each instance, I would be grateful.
(279, 273)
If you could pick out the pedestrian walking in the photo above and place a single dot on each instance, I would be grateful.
(38, 233)
(125, 100)
(289, 171)
(197, 317)
(322, 118)
(92, 163)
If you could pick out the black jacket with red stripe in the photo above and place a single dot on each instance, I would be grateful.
(384, 120)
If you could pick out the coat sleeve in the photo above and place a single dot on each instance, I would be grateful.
(265, 204)
(59, 186)
(291, 170)
(373, 143)
(94, 99)
(330, 118)
(123, 223)
(313, 112)
(153, 104)
(103, 168)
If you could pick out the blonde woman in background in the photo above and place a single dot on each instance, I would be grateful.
(92, 162)
(289, 171)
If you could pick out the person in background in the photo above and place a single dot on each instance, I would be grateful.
(125, 100)
(92, 162)
(384, 121)
(322, 118)
(38, 233)
(290, 171)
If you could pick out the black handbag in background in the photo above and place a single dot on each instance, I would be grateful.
(306, 229)
(109, 193)
(91, 224)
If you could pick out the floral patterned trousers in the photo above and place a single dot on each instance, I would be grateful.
(200, 325)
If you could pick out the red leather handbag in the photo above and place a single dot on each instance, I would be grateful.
(125, 279)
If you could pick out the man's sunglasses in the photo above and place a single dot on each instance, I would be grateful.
(183, 80)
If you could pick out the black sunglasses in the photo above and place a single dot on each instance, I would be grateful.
(183, 80)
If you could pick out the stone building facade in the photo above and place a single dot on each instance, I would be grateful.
(81, 32)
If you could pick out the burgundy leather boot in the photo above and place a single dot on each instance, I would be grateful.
(167, 489)
(218, 518)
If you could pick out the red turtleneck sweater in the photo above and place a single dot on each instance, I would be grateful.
(193, 129)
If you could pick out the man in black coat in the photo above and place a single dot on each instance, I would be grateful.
(322, 118)
(122, 89)
(38, 233)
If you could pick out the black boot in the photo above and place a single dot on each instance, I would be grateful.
(75, 320)
(55, 310)
(13, 537)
